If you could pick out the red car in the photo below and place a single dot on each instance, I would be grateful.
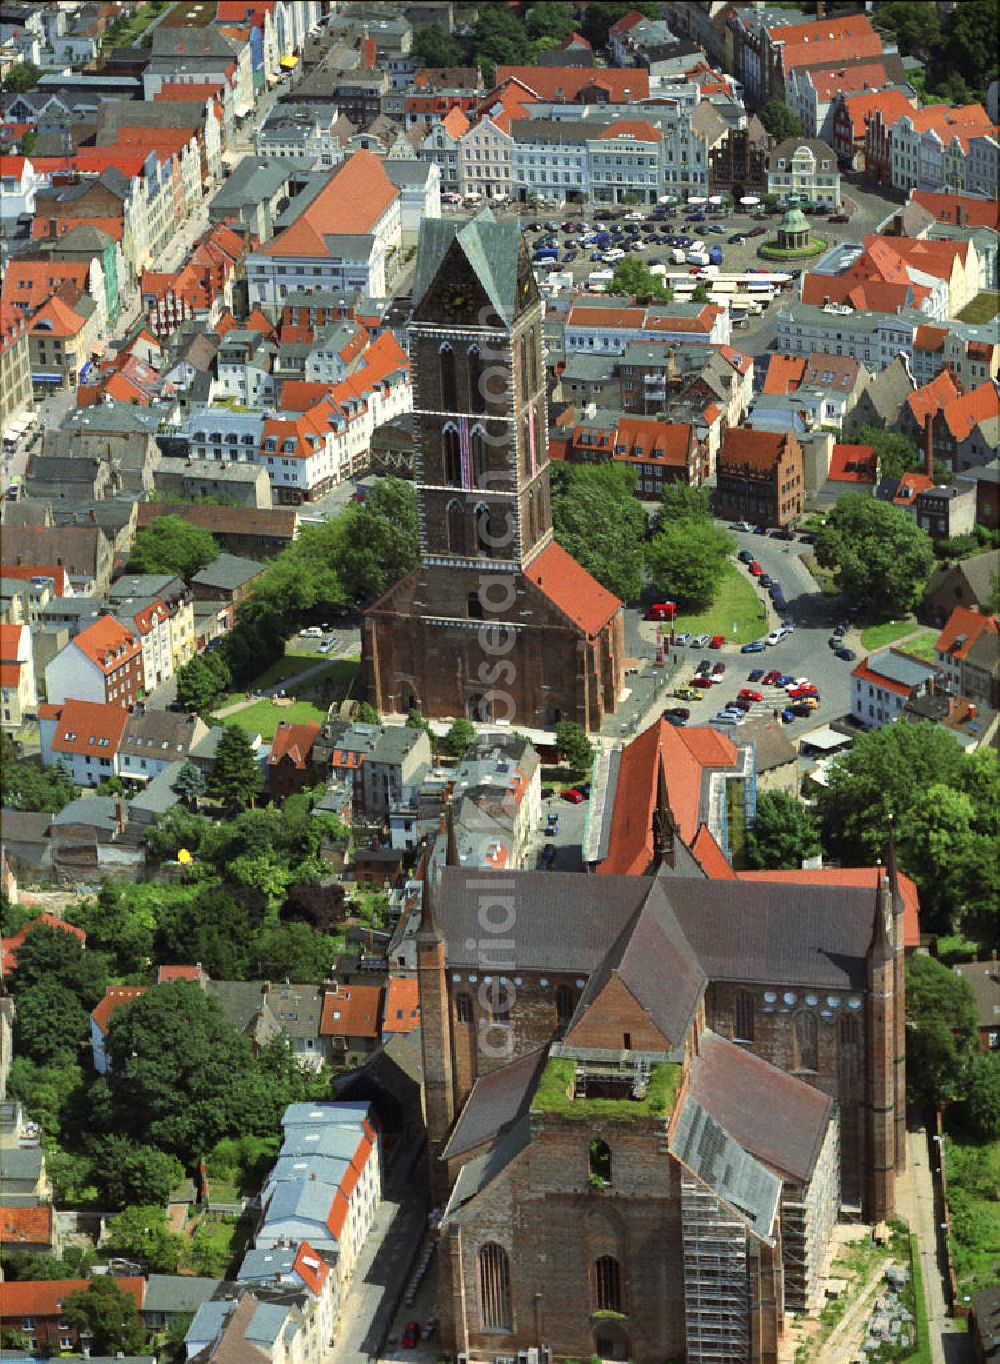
(772, 678)
(702, 681)
(748, 694)
(411, 1335)
(717, 641)
(755, 569)
(574, 796)
(800, 693)
(662, 610)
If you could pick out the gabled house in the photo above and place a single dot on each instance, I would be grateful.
(350, 1025)
(968, 653)
(884, 682)
(18, 693)
(102, 664)
(289, 763)
(85, 736)
(34, 1307)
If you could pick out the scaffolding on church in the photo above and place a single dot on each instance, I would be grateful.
(807, 1228)
(716, 1291)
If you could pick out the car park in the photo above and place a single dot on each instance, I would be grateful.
(756, 646)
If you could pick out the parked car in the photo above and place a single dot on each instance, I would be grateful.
(411, 1335)
(786, 680)
(678, 712)
(805, 704)
(686, 694)
(700, 641)
(718, 668)
(848, 655)
(839, 218)
(547, 858)
(800, 693)
(745, 556)
(766, 580)
(662, 610)
(737, 239)
(683, 638)
(757, 232)
(756, 646)
(313, 632)
(836, 641)
(755, 569)
(702, 680)
(755, 675)
(772, 678)
(705, 666)
(574, 796)
(741, 525)
(674, 720)
(775, 637)
(782, 535)
(787, 716)
(716, 642)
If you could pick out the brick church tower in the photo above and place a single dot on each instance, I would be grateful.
(497, 622)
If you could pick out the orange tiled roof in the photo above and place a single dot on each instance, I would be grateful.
(967, 626)
(685, 755)
(853, 464)
(566, 82)
(963, 414)
(116, 996)
(890, 104)
(352, 202)
(825, 40)
(294, 742)
(200, 91)
(28, 283)
(311, 1269)
(933, 397)
(930, 338)
(572, 590)
(45, 1297)
(351, 1011)
(849, 876)
(10, 675)
(710, 856)
(745, 445)
(947, 208)
(107, 643)
(95, 728)
(636, 128)
(11, 639)
(41, 228)
(865, 674)
(784, 373)
(867, 76)
(402, 1005)
(165, 974)
(31, 1226)
(455, 123)
(909, 487)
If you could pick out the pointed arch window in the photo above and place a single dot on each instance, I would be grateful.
(477, 381)
(850, 1045)
(480, 456)
(565, 1003)
(606, 1284)
(599, 1157)
(449, 387)
(452, 455)
(806, 1042)
(463, 1008)
(743, 1016)
(485, 530)
(494, 1288)
(455, 526)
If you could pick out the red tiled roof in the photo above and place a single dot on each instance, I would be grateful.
(165, 974)
(850, 876)
(963, 414)
(867, 76)
(10, 675)
(12, 637)
(566, 82)
(41, 228)
(948, 208)
(45, 1297)
(853, 464)
(967, 626)
(31, 1226)
(337, 1215)
(56, 318)
(28, 571)
(352, 202)
(402, 1005)
(909, 486)
(933, 397)
(357, 1010)
(455, 123)
(930, 338)
(710, 856)
(294, 742)
(572, 590)
(891, 105)
(784, 373)
(200, 91)
(8, 955)
(745, 445)
(95, 728)
(107, 643)
(116, 996)
(311, 1269)
(685, 755)
(29, 283)
(632, 128)
(825, 40)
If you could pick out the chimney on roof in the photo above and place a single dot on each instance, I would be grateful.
(929, 445)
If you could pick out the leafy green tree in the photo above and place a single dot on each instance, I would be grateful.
(941, 1030)
(982, 1095)
(178, 1070)
(599, 16)
(699, 294)
(13, 917)
(880, 557)
(779, 120)
(784, 833)
(217, 929)
(500, 38)
(550, 19)
(573, 746)
(294, 952)
(236, 778)
(53, 1095)
(459, 737)
(380, 538)
(54, 956)
(172, 545)
(51, 1023)
(970, 47)
(23, 1266)
(24, 785)
(319, 906)
(12, 1337)
(141, 1233)
(367, 715)
(257, 639)
(127, 1172)
(950, 855)
(108, 1313)
(119, 925)
(682, 502)
(687, 558)
(432, 46)
(598, 520)
(915, 26)
(634, 279)
(894, 451)
(261, 871)
(190, 784)
(23, 76)
(199, 685)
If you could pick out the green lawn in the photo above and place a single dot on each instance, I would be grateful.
(218, 1246)
(974, 1203)
(130, 32)
(922, 645)
(264, 717)
(878, 636)
(983, 308)
(736, 601)
(336, 674)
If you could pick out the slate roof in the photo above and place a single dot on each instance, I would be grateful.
(777, 1118)
(228, 572)
(704, 1147)
(476, 1174)
(497, 1100)
(738, 930)
(177, 1293)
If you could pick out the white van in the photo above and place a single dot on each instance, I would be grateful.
(600, 280)
(677, 255)
(614, 254)
(697, 257)
(697, 246)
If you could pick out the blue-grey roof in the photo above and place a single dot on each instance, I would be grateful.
(345, 1113)
(717, 1161)
(310, 1201)
(901, 668)
(266, 1324)
(491, 248)
(265, 1264)
(476, 1174)
(340, 1142)
(208, 1321)
(328, 1169)
(177, 1293)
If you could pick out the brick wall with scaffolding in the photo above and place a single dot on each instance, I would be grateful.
(716, 1289)
(808, 1215)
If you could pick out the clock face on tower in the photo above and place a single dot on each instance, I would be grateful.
(456, 300)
